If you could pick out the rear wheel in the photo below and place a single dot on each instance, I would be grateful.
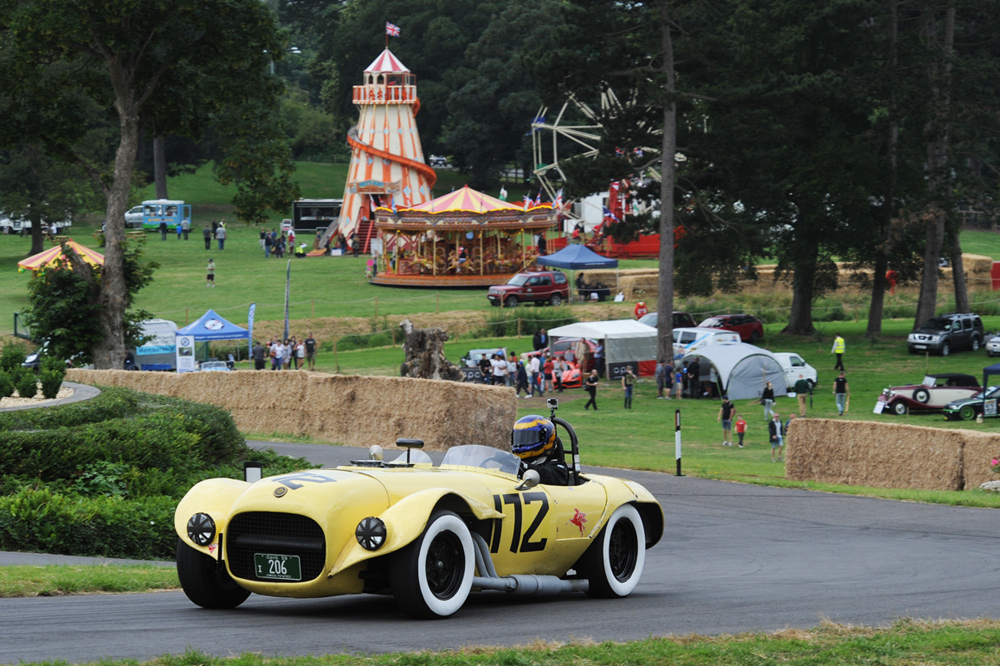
(432, 577)
(511, 302)
(555, 300)
(975, 343)
(614, 562)
(206, 581)
(967, 413)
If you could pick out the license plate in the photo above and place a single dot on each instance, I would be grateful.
(277, 567)
(920, 346)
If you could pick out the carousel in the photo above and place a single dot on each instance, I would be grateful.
(463, 239)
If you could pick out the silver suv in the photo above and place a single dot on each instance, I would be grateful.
(946, 333)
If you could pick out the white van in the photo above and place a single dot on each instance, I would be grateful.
(687, 340)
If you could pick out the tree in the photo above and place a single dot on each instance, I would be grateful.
(122, 53)
(626, 47)
(65, 302)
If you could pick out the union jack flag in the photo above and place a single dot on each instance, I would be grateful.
(391, 29)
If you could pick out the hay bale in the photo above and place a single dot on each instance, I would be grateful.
(879, 455)
(353, 410)
(641, 287)
(980, 448)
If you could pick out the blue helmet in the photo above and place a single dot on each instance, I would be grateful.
(532, 436)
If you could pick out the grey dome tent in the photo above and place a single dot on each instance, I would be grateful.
(742, 369)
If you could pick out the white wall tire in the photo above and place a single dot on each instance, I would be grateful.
(432, 577)
(613, 564)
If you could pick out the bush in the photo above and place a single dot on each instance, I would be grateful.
(42, 520)
(6, 385)
(102, 477)
(364, 341)
(511, 322)
(12, 356)
(27, 385)
(51, 381)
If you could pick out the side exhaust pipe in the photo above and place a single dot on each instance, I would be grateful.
(518, 583)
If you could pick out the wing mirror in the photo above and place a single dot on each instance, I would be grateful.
(529, 480)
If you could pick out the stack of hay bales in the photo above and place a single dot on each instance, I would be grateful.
(354, 410)
(889, 455)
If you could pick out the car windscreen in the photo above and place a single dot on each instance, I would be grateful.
(936, 324)
(518, 280)
(487, 457)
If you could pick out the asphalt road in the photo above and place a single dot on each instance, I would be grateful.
(734, 558)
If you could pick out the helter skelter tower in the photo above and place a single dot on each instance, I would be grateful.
(387, 160)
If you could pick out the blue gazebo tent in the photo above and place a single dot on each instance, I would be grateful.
(209, 327)
(577, 257)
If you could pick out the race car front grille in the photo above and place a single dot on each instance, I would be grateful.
(276, 534)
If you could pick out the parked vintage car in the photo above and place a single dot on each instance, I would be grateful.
(534, 287)
(933, 394)
(966, 409)
(428, 535)
(794, 365)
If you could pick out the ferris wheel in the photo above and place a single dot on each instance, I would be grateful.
(574, 133)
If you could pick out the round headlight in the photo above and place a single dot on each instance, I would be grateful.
(201, 529)
(370, 533)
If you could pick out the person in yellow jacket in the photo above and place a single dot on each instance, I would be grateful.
(838, 350)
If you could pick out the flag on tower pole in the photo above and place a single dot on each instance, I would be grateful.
(391, 30)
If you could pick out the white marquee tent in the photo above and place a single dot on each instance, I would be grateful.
(742, 369)
(625, 341)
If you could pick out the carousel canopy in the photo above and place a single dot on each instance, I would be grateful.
(50, 258)
(465, 209)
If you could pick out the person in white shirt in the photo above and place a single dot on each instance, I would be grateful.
(499, 369)
(511, 369)
(534, 377)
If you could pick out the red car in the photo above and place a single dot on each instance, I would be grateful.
(565, 348)
(749, 327)
(536, 287)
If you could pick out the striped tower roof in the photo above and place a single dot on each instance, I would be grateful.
(386, 62)
(465, 199)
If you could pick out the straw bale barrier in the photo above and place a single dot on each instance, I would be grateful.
(353, 410)
(889, 455)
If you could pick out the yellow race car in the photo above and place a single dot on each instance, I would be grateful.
(428, 535)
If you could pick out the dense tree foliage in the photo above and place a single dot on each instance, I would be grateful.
(127, 57)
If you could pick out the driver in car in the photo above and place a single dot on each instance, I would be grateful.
(534, 441)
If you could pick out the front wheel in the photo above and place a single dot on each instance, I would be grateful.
(945, 349)
(614, 562)
(432, 577)
(754, 337)
(967, 413)
(899, 407)
(555, 300)
(511, 302)
(206, 581)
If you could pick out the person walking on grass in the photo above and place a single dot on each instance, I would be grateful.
(802, 392)
(591, 386)
(841, 392)
(726, 418)
(210, 277)
(838, 351)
